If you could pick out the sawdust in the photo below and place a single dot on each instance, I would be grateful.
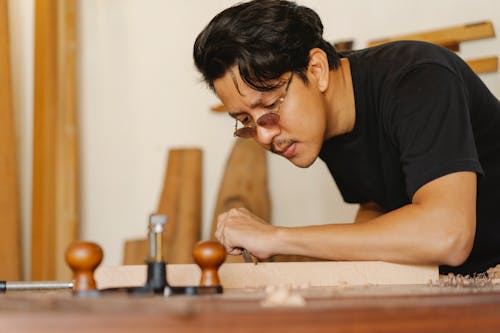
(475, 281)
(283, 296)
(494, 274)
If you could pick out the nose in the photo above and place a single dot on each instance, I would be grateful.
(265, 135)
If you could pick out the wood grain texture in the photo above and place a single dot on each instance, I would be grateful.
(484, 65)
(472, 312)
(248, 275)
(244, 184)
(449, 36)
(181, 202)
(55, 151)
(10, 239)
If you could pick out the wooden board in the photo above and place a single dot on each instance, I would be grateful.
(244, 184)
(298, 274)
(10, 241)
(447, 36)
(55, 153)
(484, 65)
(181, 202)
(119, 313)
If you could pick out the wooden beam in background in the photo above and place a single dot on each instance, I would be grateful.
(484, 65)
(244, 184)
(67, 199)
(55, 172)
(447, 36)
(10, 239)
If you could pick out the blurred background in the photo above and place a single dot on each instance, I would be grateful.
(139, 95)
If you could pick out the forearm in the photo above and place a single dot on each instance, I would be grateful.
(410, 234)
(438, 227)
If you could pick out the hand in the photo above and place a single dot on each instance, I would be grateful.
(239, 229)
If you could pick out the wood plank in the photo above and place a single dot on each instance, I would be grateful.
(67, 196)
(446, 36)
(218, 108)
(55, 185)
(244, 184)
(299, 274)
(10, 239)
(484, 65)
(181, 202)
(119, 313)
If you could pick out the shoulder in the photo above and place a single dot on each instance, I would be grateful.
(395, 59)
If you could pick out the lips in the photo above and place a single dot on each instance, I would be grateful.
(289, 152)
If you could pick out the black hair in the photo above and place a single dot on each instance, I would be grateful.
(264, 39)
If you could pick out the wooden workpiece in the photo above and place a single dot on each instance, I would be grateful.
(248, 275)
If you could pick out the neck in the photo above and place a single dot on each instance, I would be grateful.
(340, 101)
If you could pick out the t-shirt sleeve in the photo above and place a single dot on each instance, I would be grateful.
(428, 120)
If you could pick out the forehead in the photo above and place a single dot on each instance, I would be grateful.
(231, 89)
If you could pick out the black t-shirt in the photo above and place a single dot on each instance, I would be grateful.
(421, 113)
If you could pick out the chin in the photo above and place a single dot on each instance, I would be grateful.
(302, 162)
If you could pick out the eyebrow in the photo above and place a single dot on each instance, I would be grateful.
(258, 102)
(236, 114)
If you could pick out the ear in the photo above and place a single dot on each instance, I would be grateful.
(318, 68)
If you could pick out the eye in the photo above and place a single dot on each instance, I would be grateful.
(271, 106)
(274, 105)
(245, 119)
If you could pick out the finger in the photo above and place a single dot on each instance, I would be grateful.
(220, 226)
(235, 251)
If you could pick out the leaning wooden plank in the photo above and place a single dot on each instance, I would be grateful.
(300, 274)
(54, 205)
(10, 241)
(67, 196)
(181, 202)
(45, 106)
(244, 184)
(446, 36)
(484, 65)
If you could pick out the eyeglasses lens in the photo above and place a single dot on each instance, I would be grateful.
(245, 132)
(268, 119)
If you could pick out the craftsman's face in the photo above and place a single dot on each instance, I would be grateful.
(300, 131)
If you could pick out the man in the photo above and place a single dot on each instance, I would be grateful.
(406, 129)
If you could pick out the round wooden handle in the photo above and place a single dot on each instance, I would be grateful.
(209, 255)
(83, 258)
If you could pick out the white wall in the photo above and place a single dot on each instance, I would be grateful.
(21, 16)
(140, 95)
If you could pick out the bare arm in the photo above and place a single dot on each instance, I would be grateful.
(436, 228)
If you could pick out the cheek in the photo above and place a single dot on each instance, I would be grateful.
(307, 120)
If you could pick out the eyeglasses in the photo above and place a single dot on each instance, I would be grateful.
(269, 119)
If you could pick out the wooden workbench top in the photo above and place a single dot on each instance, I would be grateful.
(337, 309)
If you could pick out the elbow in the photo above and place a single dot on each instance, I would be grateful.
(457, 244)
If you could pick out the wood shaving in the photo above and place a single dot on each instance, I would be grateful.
(482, 280)
(494, 274)
(282, 296)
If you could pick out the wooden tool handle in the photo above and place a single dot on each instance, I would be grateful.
(209, 255)
(83, 258)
